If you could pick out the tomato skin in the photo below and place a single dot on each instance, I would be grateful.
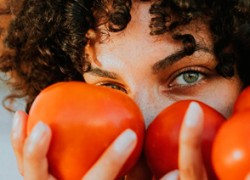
(243, 101)
(84, 119)
(162, 138)
(230, 153)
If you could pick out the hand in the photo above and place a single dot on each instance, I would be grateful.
(190, 157)
(248, 176)
(31, 152)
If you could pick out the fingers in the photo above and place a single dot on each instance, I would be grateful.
(190, 157)
(31, 153)
(18, 135)
(173, 175)
(247, 177)
(110, 163)
(36, 146)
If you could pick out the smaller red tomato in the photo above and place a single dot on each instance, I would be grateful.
(231, 148)
(243, 101)
(84, 120)
(162, 138)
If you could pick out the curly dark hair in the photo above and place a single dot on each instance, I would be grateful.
(47, 37)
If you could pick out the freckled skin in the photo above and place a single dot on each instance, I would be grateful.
(130, 55)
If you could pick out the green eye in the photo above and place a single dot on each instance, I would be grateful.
(188, 78)
(191, 77)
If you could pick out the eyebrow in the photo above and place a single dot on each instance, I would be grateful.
(157, 67)
(173, 58)
(102, 73)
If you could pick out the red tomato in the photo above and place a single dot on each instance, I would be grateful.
(231, 148)
(84, 119)
(162, 137)
(243, 101)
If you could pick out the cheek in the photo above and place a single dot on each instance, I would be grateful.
(223, 98)
(224, 106)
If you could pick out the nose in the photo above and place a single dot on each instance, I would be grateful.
(149, 104)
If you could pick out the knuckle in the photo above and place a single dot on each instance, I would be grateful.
(15, 143)
(30, 155)
(30, 152)
(21, 171)
(193, 143)
(193, 171)
(187, 171)
(113, 159)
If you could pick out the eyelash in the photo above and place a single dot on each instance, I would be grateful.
(112, 84)
(191, 70)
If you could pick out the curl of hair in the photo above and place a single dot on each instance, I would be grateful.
(47, 38)
(241, 43)
(228, 22)
(120, 15)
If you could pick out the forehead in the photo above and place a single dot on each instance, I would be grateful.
(135, 43)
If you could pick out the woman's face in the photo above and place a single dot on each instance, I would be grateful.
(139, 64)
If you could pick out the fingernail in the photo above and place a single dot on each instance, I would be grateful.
(37, 137)
(16, 121)
(171, 175)
(125, 141)
(247, 177)
(38, 131)
(16, 126)
(193, 114)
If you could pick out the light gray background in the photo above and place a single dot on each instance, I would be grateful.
(8, 167)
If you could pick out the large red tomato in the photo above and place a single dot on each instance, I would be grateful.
(231, 148)
(243, 101)
(162, 137)
(84, 119)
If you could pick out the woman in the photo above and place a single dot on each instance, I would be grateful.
(157, 52)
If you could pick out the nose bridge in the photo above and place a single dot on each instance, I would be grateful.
(149, 104)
